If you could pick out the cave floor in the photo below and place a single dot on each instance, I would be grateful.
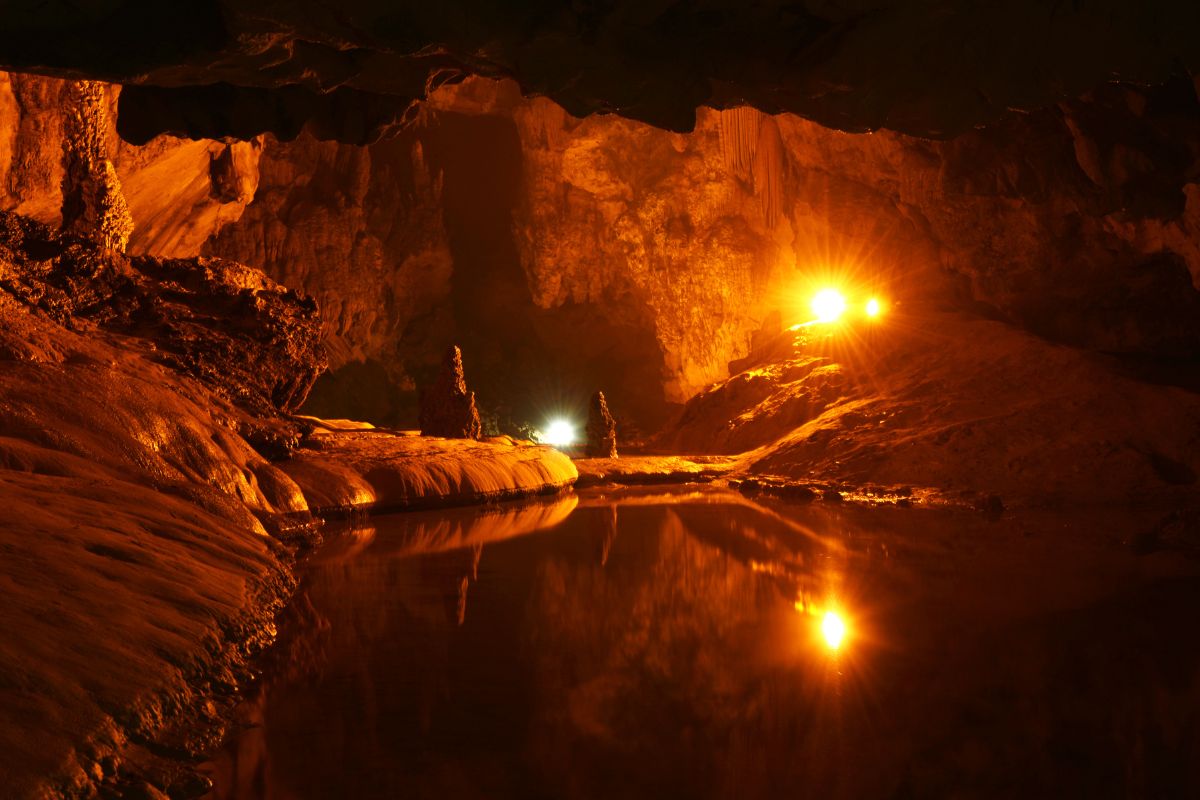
(652, 642)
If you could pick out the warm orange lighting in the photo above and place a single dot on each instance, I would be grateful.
(833, 629)
(558, 433)
(828, 305)
(874, 308)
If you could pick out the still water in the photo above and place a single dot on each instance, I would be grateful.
(680, 644)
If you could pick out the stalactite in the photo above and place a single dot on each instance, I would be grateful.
(738, 130)
(753, 151)
(769, 167)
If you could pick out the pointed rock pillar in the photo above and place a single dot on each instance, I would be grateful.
(447, 408)
(601, 429)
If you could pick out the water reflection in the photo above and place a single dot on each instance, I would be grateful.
(680, 645)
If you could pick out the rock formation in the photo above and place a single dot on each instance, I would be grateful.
(93, 206)
(601, 429)
(353, 70)
(447, 408)
(247, 338)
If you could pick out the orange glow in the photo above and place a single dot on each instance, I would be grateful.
(833, 629)
(874, 308)
(828, 305)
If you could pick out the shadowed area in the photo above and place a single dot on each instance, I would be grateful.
(676, 645)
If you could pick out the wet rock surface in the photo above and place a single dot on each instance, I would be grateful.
(345, 472)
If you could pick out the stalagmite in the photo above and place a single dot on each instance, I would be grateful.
(447, 408)
(93, 206)
(601, 429)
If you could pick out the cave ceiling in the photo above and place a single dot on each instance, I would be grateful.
(352, 70)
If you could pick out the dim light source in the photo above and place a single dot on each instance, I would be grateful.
(559, 433)
(828, 305)
(833, 629)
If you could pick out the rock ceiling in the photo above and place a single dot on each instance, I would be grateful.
(352, 69)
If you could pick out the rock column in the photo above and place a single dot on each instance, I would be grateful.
(601, 429)
(447, 408)
(93, 206)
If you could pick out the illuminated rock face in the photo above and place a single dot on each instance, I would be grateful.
(567, 253)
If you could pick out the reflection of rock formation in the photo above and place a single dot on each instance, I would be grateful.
(447, 408)
(609, 535)
(601, 429)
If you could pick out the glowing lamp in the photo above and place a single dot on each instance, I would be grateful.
(873, 308)
(828, 305)
(559, 433)
(833, 629)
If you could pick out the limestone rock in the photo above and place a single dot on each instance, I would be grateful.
(93, 205)
(601, 429)
(252, 340)
(447, 408)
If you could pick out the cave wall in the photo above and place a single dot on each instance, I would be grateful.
(571, 254)
(179, 192)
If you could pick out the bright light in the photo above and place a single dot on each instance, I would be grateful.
(873, 307)
(558, 433)
(828, 305)
(833, 629)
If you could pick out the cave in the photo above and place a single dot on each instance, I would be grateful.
(690, 399)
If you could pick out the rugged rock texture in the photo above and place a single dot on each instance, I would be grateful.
(253, 341)
(564, 252)
(178, 192)
(447, 408)
(352, 69)
(93, 205)
(960, 404)
(361, 230)
(601, 429)
(137, 574)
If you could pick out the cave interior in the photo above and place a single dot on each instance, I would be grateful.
(836, 258)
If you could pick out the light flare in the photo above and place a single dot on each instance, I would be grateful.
(559, 433)
(874, 308)
(833, 629)
(828, 305)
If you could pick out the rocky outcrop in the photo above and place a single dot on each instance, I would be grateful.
(93, 205)
(361, 230)
(246, 337)
(447, 408)
(601, 429)
(57, 134)
(971, 407)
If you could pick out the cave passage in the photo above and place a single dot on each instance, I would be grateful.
(529, 364)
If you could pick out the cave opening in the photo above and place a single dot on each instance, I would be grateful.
(645, 401)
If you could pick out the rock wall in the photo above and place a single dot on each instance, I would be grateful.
(568, 255)
(560, 250)
(178, 192)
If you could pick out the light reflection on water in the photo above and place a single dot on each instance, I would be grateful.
(650, 644)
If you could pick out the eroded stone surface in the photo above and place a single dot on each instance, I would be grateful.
(601, 429)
